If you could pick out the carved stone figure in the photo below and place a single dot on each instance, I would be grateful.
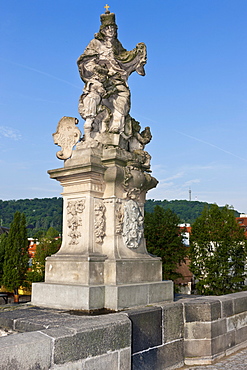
(66, 136)
(105, 67)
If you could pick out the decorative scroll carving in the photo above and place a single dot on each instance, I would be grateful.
(99, 221)
(66, 136)
(75, 208)
(132, 225)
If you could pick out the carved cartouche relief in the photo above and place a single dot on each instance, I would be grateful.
(66, 136)
(99, 221)
(132, 224)
(74, 209)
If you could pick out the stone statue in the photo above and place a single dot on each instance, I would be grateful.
(105, 67)
(103, 261)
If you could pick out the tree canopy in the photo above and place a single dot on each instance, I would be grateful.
(217, 252)
(15, 254)
(49, 244)
(164, 239)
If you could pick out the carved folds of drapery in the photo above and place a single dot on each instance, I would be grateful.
(74, 210)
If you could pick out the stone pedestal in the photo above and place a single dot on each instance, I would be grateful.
(103, 261)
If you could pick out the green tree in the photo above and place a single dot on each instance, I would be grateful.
(164, 238)
(16, 254)
(52, 233)
(3, 239)
(218, 252)
(47, 246)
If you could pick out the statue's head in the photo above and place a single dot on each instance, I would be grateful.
(108, 26)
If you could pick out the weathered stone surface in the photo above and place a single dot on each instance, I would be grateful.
(90, 341)
(67, 296)
(197, 348)
(167, 356)
(198, 330)
(104, 362)
(8, 318)
(125, 359)
(218, 345)
(241, 335)
(26, 351)
(226, 306)
(146, 328)
(173, 322)
(239, 302)
(202, 309)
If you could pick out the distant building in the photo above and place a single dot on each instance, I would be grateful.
(185, 283)
(32, 244)
(242, 221)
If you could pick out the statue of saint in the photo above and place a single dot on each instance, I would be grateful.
(105, 67)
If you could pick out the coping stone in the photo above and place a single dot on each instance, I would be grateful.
(173, 322)
(146, 328)
(91, 340)
(26, 351)
(202, 310)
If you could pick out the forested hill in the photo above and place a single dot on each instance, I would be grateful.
(188, 211)
(40, 213)
(47, 212)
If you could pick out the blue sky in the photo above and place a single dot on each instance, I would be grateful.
(194, 94)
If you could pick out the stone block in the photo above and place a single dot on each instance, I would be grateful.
(123, 272)
(47, 320)
(241, 335)
(118, 297)
(9, 318)
(65, 296)
(230, 340)
(168, 356)
(26, 351)
(198, 330)
(218, 345)
(239, 302)
(218, 328)
(226, 306)
(202, 309)
(105, 335)
(104, 362)
(76, 271)
(197, 348)
(160, 291)
(173, 322)
(125, 359)
(237, 321)
(146, 328)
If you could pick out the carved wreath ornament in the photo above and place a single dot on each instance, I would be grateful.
(74, 209)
